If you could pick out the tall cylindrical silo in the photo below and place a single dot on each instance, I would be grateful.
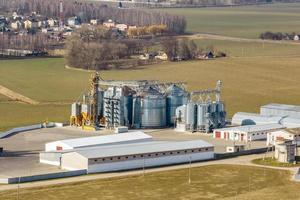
(177, 96)
(153, 109)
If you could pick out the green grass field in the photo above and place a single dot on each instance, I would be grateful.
(252, 75)
(207, 182)
(242, 21)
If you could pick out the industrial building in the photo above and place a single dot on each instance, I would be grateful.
(76, 143)
(201, 113)
(246, 133)
(284, 134)
(147, 104)
(137, 155)
(243, 118)
(54, 150)
(274, 109)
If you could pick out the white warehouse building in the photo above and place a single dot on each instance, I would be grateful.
(246, 133)
(243, 118)
(275, 109)
(94, 141)
(136, 155)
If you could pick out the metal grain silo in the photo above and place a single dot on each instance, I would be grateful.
(202, 116)
(177, 96)
(136, 112)
(153, 109)
(128, 109)
(191, 116)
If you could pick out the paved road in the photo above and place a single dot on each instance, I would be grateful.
(242, 160)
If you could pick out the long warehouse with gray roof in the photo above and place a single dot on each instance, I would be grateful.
(136, 155)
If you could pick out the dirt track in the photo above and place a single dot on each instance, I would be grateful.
(16, 96)
(237, 39)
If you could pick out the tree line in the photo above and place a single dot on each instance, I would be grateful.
(95, 10)
(93, 47)
(276, 36)
(38, 41)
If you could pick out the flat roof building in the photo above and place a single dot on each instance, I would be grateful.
(136, 155)
(246, 133)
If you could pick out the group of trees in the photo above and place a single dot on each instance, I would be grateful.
(96, 10)
(93, 47)
(153, 30)
(38, 41)
(185, 49)
(277, 36)
(221, 2)
(182, 49)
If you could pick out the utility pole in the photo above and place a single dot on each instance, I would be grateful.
(18, 190)
(143, 167)
(190, 165)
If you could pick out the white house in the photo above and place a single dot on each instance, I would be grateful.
(51, 22)
(109, 24)
(122, 27)
(16, 25)
(246, 133)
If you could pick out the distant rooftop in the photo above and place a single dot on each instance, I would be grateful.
(282, 107)
(253, 128)
(104, 139)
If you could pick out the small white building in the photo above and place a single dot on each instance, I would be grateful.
(285, 151)
(109, 24)
(76, 143)
(94, 21)
(246, 133)
(281, 135)
(51, 22)
(122, 27)
(136, 156)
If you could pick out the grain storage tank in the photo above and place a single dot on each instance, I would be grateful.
(75, 109)
(128, 109)
(191, 116)
(136, 112)
(153, 109)
(202, 116)
(177, 96)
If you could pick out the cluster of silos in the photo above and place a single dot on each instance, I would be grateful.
(202, 117)
(151, 107)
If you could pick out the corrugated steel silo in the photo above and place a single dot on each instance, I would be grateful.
(153, 109)
(191, 116)
(177, 96)
(136, 112)
(201, 116)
